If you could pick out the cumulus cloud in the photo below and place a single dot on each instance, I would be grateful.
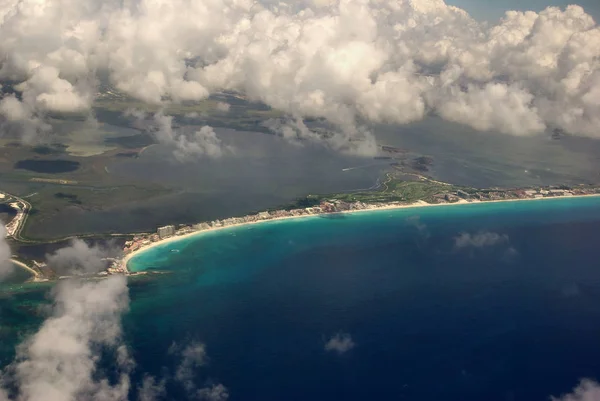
(340, 343)
(151, 389)
(64, 359)
(479, 240)
(81, 258)
(214, 393)
(510, 254)
(6, 267)
(360, 142)
(61, 361)
(586, 390)
(16, 116)
(494, 106)
(192, 357)
(421, 227)
(12, 109)
(46, 90)
(201, 143)
(348, 61)
(223, 107)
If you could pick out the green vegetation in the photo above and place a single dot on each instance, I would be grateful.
(49, 150)
(71, 198)
(398, 191)
(47, 202)
(56, 183)
(301, 203)
(392, 190)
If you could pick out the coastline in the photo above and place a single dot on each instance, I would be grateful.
(35, 274)
(372, 208)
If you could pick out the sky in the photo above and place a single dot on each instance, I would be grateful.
(492, 11)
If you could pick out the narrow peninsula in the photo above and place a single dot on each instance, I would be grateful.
(393, 192)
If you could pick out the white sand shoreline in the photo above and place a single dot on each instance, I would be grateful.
(418, 204)
(22, 265)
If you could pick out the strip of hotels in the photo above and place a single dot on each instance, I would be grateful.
(142, 242)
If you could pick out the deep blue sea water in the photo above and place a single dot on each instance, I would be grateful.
(515, 318)
(509, 311)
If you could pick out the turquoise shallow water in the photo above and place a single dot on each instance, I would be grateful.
(513, 316)
(327, 228)
(491, 301)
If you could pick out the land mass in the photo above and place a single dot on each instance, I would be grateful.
(392, 192)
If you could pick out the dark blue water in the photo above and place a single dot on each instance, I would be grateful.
(512, 314)
(508, 311)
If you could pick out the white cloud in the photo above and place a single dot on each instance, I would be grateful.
(13, 110)
(45, 90)
(479, 240)
(586, 390)
(510, 254)
(201, 143)
(362, 142)
(192, 357)
(61, 361)
(151, 389)
(217, 392)
(20, 116)
(495, 106)
(79, 258)
(340, 343)
(419, 225)
(223, 107)
(344, 60)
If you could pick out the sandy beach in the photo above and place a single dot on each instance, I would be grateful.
(418, 204)
(22, 265)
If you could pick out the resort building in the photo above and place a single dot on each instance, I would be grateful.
(166, 231)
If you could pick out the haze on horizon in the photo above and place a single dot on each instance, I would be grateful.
(489, 10)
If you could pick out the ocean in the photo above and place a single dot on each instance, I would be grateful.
(491, 301)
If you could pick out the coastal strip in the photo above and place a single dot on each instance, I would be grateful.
(144, 244)
(36, 275)
(22, 207)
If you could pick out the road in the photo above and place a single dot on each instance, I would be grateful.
(15, 226)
